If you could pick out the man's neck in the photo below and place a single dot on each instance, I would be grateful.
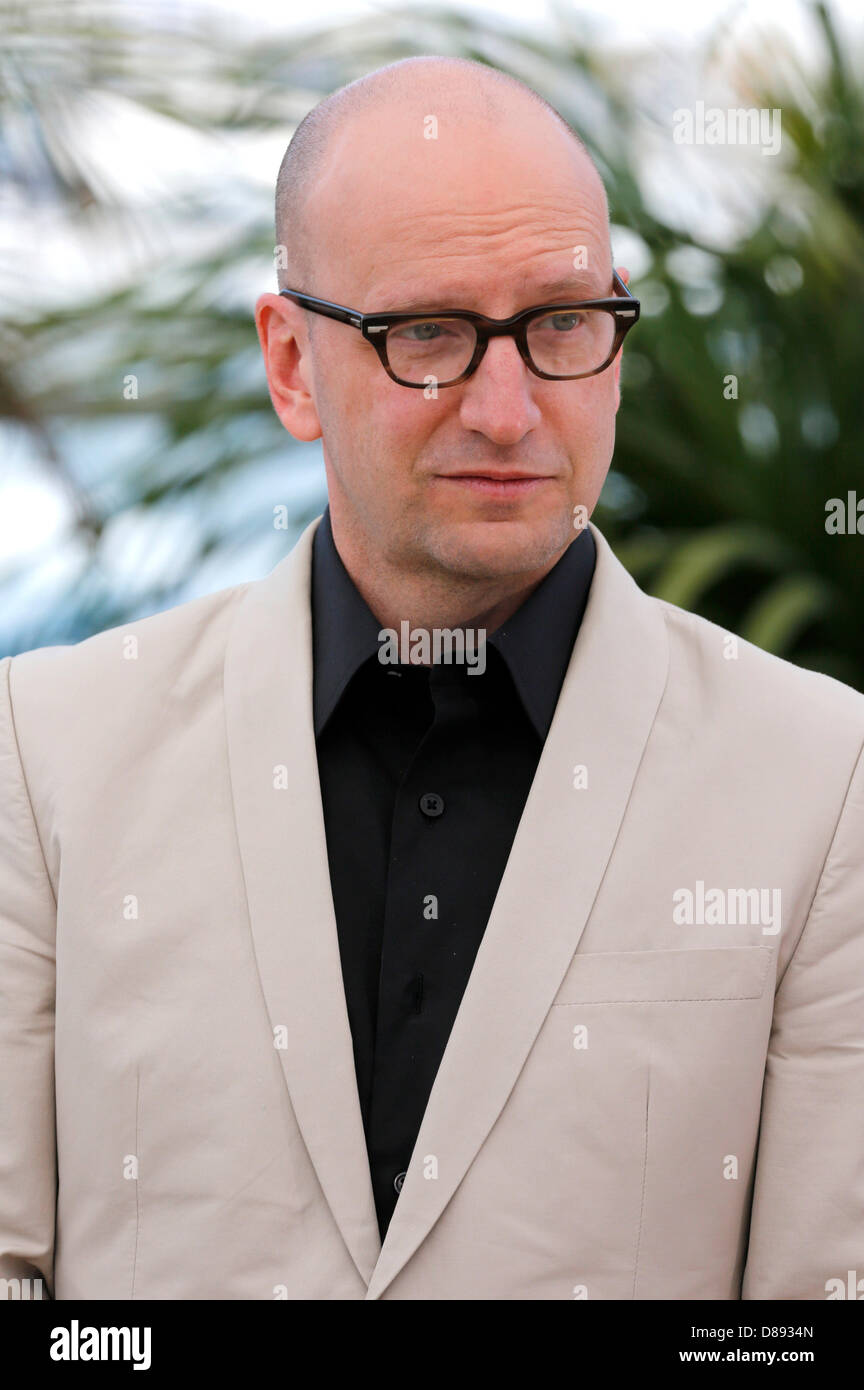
(430, 600)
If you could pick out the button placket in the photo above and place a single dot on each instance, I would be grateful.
(413, 1016)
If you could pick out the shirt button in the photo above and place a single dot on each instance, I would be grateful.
(431, 804)
(398, 1181)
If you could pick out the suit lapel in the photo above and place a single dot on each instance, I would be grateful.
(280, 829)
(565, 838)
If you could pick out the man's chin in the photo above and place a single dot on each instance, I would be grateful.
(496, 549)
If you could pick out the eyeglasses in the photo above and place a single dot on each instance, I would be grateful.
(558, 342)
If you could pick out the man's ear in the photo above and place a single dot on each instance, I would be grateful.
(284, 343)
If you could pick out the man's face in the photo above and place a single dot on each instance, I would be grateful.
(483, 218)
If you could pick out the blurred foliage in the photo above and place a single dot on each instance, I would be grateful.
(717, 500)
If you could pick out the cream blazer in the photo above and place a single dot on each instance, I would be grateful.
(654, 1087)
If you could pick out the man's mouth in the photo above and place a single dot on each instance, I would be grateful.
(496, 482)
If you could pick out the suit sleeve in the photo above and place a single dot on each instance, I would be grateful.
(807, 1219)
(28, 1174)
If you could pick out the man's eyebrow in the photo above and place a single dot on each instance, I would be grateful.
(571, 287)
(562, 290)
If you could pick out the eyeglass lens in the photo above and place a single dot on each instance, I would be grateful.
(565, 343)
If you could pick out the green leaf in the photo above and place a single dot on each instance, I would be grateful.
(784, 610)
(697, 564)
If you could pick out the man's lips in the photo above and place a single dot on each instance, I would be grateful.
(498, 475)
(496, 482)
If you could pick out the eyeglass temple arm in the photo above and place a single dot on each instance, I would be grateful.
(619, 284)
(323, 306)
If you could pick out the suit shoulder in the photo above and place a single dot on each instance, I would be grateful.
(169, 646)
(802, 698)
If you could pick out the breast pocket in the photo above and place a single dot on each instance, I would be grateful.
(711, 974)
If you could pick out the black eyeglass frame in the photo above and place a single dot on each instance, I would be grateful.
(623, 306)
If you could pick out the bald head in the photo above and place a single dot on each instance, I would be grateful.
(472, 101)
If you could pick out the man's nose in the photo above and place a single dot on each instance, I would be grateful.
(498, 399)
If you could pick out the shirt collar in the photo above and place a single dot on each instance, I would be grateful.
(344, 629)
(535, 642)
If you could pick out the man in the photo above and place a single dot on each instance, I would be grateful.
(336, 971)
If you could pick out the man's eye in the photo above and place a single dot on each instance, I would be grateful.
(564, 323)
(425, 332)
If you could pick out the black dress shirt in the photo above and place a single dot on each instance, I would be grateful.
(424, 773)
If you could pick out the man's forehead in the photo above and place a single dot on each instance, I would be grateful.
(424, 291)
(439, 263)
(440, 245)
